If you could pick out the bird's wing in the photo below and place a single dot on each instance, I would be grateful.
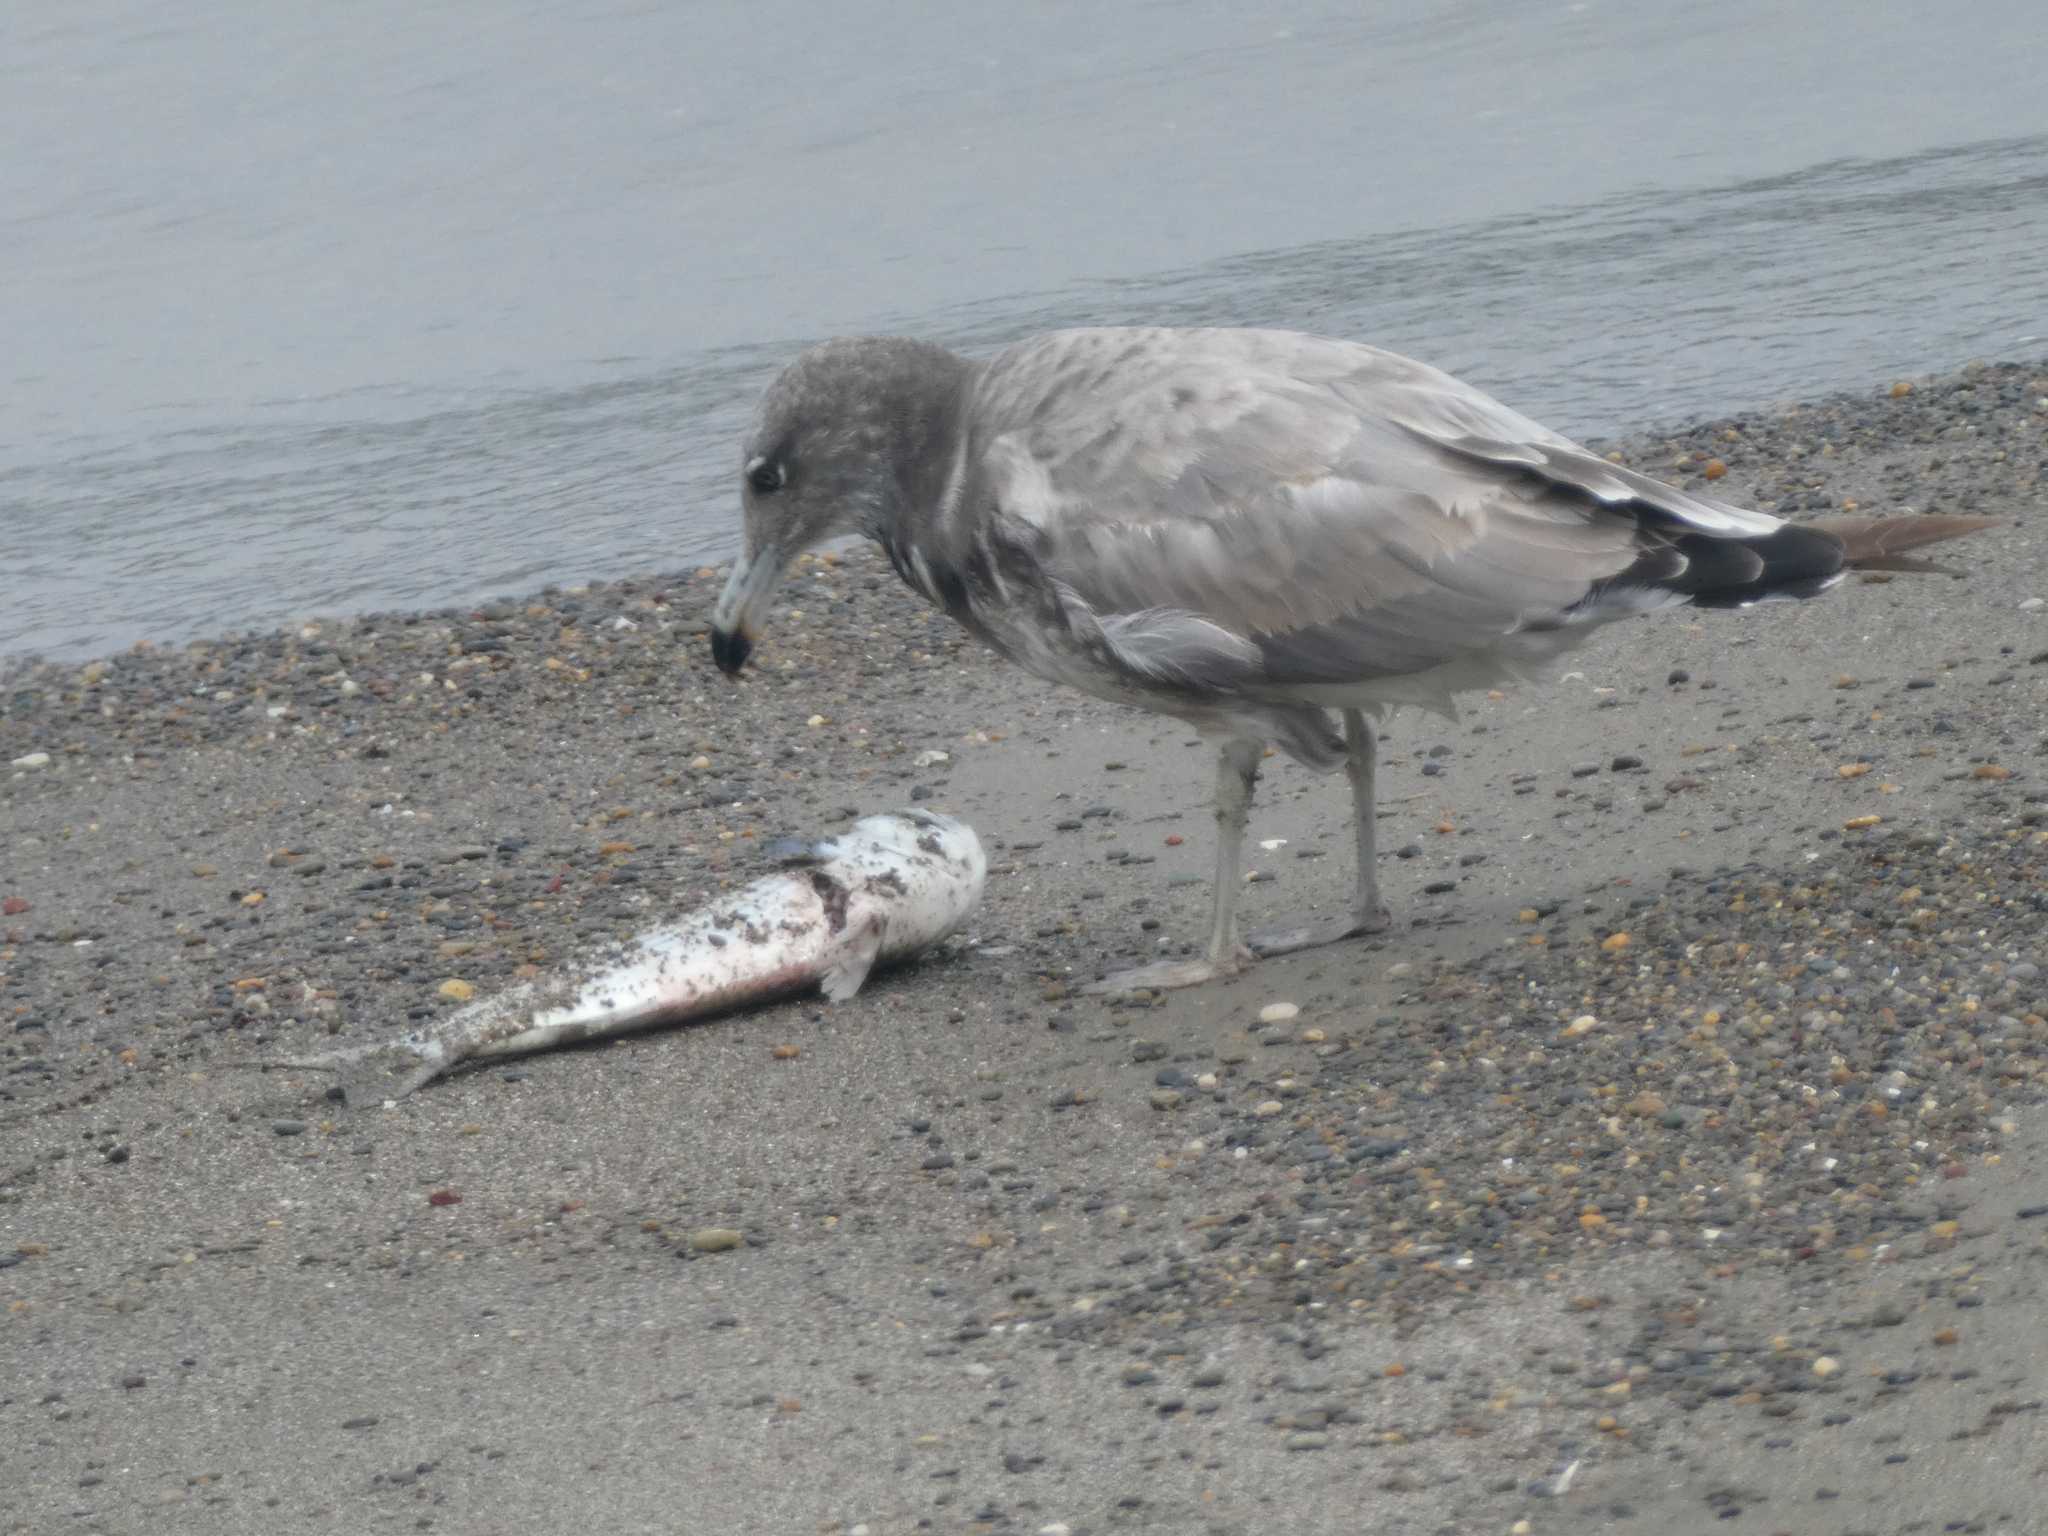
(1350, 513)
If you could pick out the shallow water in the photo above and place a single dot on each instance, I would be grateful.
(379, 307)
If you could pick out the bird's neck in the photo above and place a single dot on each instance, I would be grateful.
(923, 391)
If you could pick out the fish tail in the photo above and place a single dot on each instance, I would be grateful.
(419, 1077)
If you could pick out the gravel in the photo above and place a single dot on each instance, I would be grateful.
(1657, 1172)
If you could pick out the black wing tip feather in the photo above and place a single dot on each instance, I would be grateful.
(1715, 571)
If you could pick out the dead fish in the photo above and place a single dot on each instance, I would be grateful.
(887, 887)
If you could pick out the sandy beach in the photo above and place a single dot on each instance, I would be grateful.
(1675, 1164)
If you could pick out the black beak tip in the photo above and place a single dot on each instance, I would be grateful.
(730, 648)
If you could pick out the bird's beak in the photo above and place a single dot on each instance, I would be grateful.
(742, 607)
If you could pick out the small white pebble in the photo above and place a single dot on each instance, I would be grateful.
(2032, 603)
(1268, 1108)
(1399, 970)
(1826, 1365)
(699, 763)
(1584, 1024)
(1278, 1013)
(815, 721)
(31, 760)
(1207, 1082)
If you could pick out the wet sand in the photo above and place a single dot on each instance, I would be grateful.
(1675, 1164)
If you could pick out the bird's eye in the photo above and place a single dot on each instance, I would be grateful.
(765, 476)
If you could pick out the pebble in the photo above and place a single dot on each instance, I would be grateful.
(715, 1239)
(1363, 1177)
(31, 760)
(1278, 1013)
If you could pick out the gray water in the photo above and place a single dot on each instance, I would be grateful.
(382, 305)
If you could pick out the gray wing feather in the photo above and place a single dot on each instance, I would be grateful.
(1353, 513)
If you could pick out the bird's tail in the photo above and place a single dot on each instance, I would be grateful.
(1677, 562)
(1797, 560)
(1880, 543)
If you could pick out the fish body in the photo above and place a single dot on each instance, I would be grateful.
(887, 887)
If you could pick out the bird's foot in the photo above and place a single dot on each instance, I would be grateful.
(1165, 975)
(1287, 936)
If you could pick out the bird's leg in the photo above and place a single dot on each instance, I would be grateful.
(1368, 913)
(1237, 769)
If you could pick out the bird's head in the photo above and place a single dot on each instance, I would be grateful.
(833, 450)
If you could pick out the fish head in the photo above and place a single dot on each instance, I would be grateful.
(916, 835)
(915, 873)
(890, 835)
(897, 843)
(922, 867)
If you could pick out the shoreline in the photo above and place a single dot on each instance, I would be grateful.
(1020, 1258)
(1639, 448)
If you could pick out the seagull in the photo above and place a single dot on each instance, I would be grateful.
(1247, 530)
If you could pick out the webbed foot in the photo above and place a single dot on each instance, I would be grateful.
(1311, 932)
